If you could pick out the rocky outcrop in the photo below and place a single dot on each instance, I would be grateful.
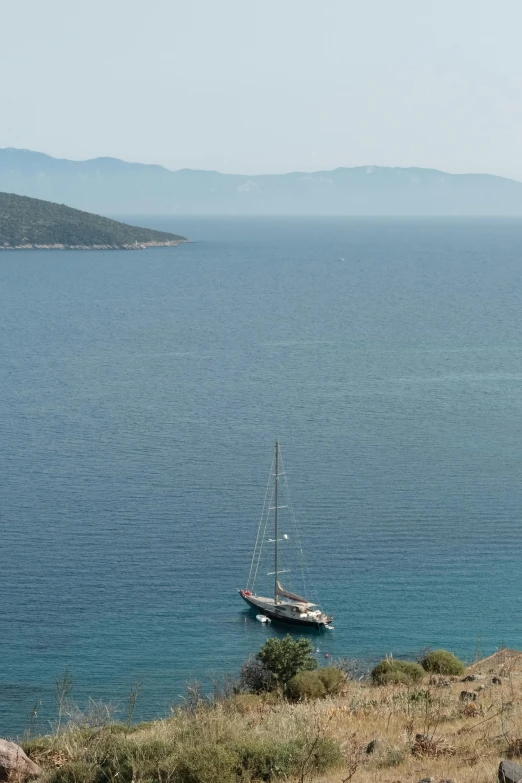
(14, 764)
(509, 772)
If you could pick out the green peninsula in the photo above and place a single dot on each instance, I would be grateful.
(30, 223)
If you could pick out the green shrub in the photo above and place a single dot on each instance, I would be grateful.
(394, 677)
(117, 759)
(74, 772)
(315, 684)
(306, 685)
(286, 657)
(268, 760)
(203, 764)
(392, 757)
(390, 671)
(443, 662)
(326, 754)
(333, 679)
(113, 759)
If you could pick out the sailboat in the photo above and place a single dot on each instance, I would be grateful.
(284, 606)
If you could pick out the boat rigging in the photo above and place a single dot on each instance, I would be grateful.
(285, 606)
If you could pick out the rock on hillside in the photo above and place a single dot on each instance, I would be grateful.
(15, 764)
(509, 772)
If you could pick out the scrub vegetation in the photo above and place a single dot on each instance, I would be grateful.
(319, 727)
(29, 222)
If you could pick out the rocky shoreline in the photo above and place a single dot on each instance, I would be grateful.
(133, 246)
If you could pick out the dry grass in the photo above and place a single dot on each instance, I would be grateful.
(425, 730)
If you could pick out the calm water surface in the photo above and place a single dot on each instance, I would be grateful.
(141, 393)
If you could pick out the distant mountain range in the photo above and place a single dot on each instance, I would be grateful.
(112, 186)
(27, 223)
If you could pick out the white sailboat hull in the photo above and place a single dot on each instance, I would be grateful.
(286, 606)
(285, 612)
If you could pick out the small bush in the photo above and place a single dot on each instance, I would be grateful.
(304, 686)
(394, 677)
(74, 772)
(315, 684)
(397, 672)
(112, 758)
(392, 757)
(327, 753)
(204, 764)
(333, 679)
(443, 662)
(268, 760)
(115, 757)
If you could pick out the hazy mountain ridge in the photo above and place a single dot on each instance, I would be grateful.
(114, 186)
(29, 222)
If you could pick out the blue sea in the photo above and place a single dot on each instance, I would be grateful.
(140, 397)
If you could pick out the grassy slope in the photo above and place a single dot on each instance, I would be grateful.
(30, 221)
(464, 744)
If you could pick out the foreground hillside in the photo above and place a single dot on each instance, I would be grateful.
(118, 187)
(29, 222)
(367, 733)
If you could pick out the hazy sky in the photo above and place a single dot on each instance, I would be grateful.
(259, 86)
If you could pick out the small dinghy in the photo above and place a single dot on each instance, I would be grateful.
(262, 618)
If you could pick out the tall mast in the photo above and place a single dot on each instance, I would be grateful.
(276, 522)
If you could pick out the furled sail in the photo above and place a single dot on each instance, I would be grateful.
(292, 596)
